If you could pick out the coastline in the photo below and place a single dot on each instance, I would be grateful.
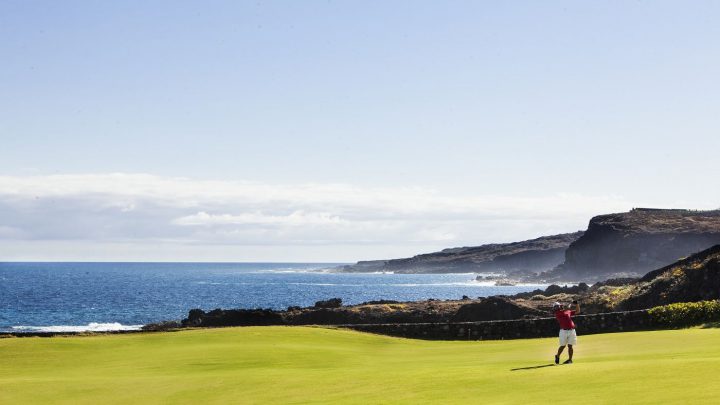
(330, 312)
(688, 280)
(55, 297)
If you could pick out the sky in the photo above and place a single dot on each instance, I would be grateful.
(337, 131)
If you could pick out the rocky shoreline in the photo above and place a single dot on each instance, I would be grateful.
(60, 334)
(693, 279)
(333, 312)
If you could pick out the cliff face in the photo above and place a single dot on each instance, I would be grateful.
(635, 242)
(696, 278)
(528, 256)
(614, 245)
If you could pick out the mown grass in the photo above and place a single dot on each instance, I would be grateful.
(316, 365)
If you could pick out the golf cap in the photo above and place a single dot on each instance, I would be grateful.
(557, 305)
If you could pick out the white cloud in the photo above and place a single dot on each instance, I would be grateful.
(297, 218)
(147, 209)
(9, 232)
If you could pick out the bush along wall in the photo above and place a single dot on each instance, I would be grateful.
(664, 317)
(685, 314)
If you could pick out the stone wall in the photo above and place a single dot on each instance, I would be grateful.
(514, 329)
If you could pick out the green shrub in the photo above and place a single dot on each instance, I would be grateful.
(686, 313)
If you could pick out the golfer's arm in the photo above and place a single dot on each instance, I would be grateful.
(577, 308)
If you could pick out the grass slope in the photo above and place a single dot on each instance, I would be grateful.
(300, 365)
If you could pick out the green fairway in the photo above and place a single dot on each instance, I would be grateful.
(299, 365)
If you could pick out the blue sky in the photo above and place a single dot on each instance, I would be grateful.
(370, 129)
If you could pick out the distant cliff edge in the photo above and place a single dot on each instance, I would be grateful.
(614, 245)
(635, 242)
(530, 256)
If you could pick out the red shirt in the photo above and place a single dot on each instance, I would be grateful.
(563, 318)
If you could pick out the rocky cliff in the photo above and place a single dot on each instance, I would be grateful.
(635, 242)
(696, 278)
(530, 256)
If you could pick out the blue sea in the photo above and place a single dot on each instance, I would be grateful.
(124, 296)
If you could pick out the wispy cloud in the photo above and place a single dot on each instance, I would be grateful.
(297, 218)
(142, 208)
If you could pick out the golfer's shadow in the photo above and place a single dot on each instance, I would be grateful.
(532, 367)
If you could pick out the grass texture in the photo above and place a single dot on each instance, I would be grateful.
(272, 365)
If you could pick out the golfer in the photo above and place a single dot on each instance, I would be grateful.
(567, 330)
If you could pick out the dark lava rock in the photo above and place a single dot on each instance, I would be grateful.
(556, 289)
(380, 302)
(233, 317)
(492, 309)
(194, 317)
(162, 326)
(615, 282)
(325, 316)
(331, 303)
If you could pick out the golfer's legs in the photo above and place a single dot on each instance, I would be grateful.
(561, 338)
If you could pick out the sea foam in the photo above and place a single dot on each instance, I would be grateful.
(91, 327)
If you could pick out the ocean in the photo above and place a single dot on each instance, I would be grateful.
(47, 297)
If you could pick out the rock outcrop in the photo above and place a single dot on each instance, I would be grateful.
(635, 242)
(696, 278)
(374, 312)
(232, 317)
(329, 312)
(494, 309)
(331, 303)
(530, 256)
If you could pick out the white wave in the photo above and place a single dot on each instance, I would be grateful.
(471, 283)
(484, 283)
(288, 271)
(91, 327)
(491, 283)
(325, 284)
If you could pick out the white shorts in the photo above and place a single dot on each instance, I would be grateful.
(568, 337)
